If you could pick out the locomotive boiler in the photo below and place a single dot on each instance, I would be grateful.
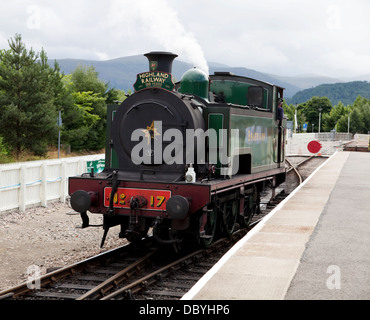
(187, 159)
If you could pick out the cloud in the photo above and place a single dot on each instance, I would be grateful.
(159, 24)
(284, 37)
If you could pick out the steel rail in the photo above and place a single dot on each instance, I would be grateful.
(119, 277)
(295, 170)
(153, 277)
(61, 273)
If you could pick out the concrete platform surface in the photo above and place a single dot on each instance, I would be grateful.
(313, 245)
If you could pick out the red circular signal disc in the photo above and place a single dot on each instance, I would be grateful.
(314, 146)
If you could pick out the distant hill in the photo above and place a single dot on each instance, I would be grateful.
(121, 74)
(290, 89)
(311, 80)
(346, 92)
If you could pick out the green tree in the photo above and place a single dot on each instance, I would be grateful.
(86, 132)
(28, 89)
(330, 119)
(356, 123)
(358, 113)
(84, 112)
(363, 106)
(86, 79)
(311, 110)
(74, 132)
(359, 116)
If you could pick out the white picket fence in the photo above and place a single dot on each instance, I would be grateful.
(35, 183)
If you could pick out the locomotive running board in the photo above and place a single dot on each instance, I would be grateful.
(242, 180)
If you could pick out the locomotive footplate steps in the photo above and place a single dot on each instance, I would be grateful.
(313, 245)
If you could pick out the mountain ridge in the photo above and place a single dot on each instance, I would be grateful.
(344, 92)
(121, 73)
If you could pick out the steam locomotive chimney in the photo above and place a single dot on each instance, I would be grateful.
(160, 61)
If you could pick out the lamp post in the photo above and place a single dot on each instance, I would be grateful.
(295, 118)
(320, 109)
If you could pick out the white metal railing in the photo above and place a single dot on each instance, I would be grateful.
(37, 182)
(334, 136)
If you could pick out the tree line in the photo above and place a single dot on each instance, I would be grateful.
(354, 118)
(32, 92)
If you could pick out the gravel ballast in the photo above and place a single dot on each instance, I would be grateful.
(47, 238)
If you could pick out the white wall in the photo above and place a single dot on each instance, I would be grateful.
(297, 143)
(37, 182)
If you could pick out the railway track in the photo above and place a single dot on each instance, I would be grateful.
(72, 281)
(123, 272)
(299, 168)
(130, 272)
(143, 271)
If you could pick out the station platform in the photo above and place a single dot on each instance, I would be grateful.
(313, 245)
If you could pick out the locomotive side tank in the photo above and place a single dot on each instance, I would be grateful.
(189, 160)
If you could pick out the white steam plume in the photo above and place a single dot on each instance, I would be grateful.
(161, 23)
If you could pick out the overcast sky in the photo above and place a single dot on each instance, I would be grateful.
(285, 37)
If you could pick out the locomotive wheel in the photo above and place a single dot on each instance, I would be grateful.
(256, 202)
(229, 216)
(210, 228)
(251, 207)
(248, 211)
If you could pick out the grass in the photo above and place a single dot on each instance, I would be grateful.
(52, 154)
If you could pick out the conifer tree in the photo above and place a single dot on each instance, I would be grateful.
(28, 89)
